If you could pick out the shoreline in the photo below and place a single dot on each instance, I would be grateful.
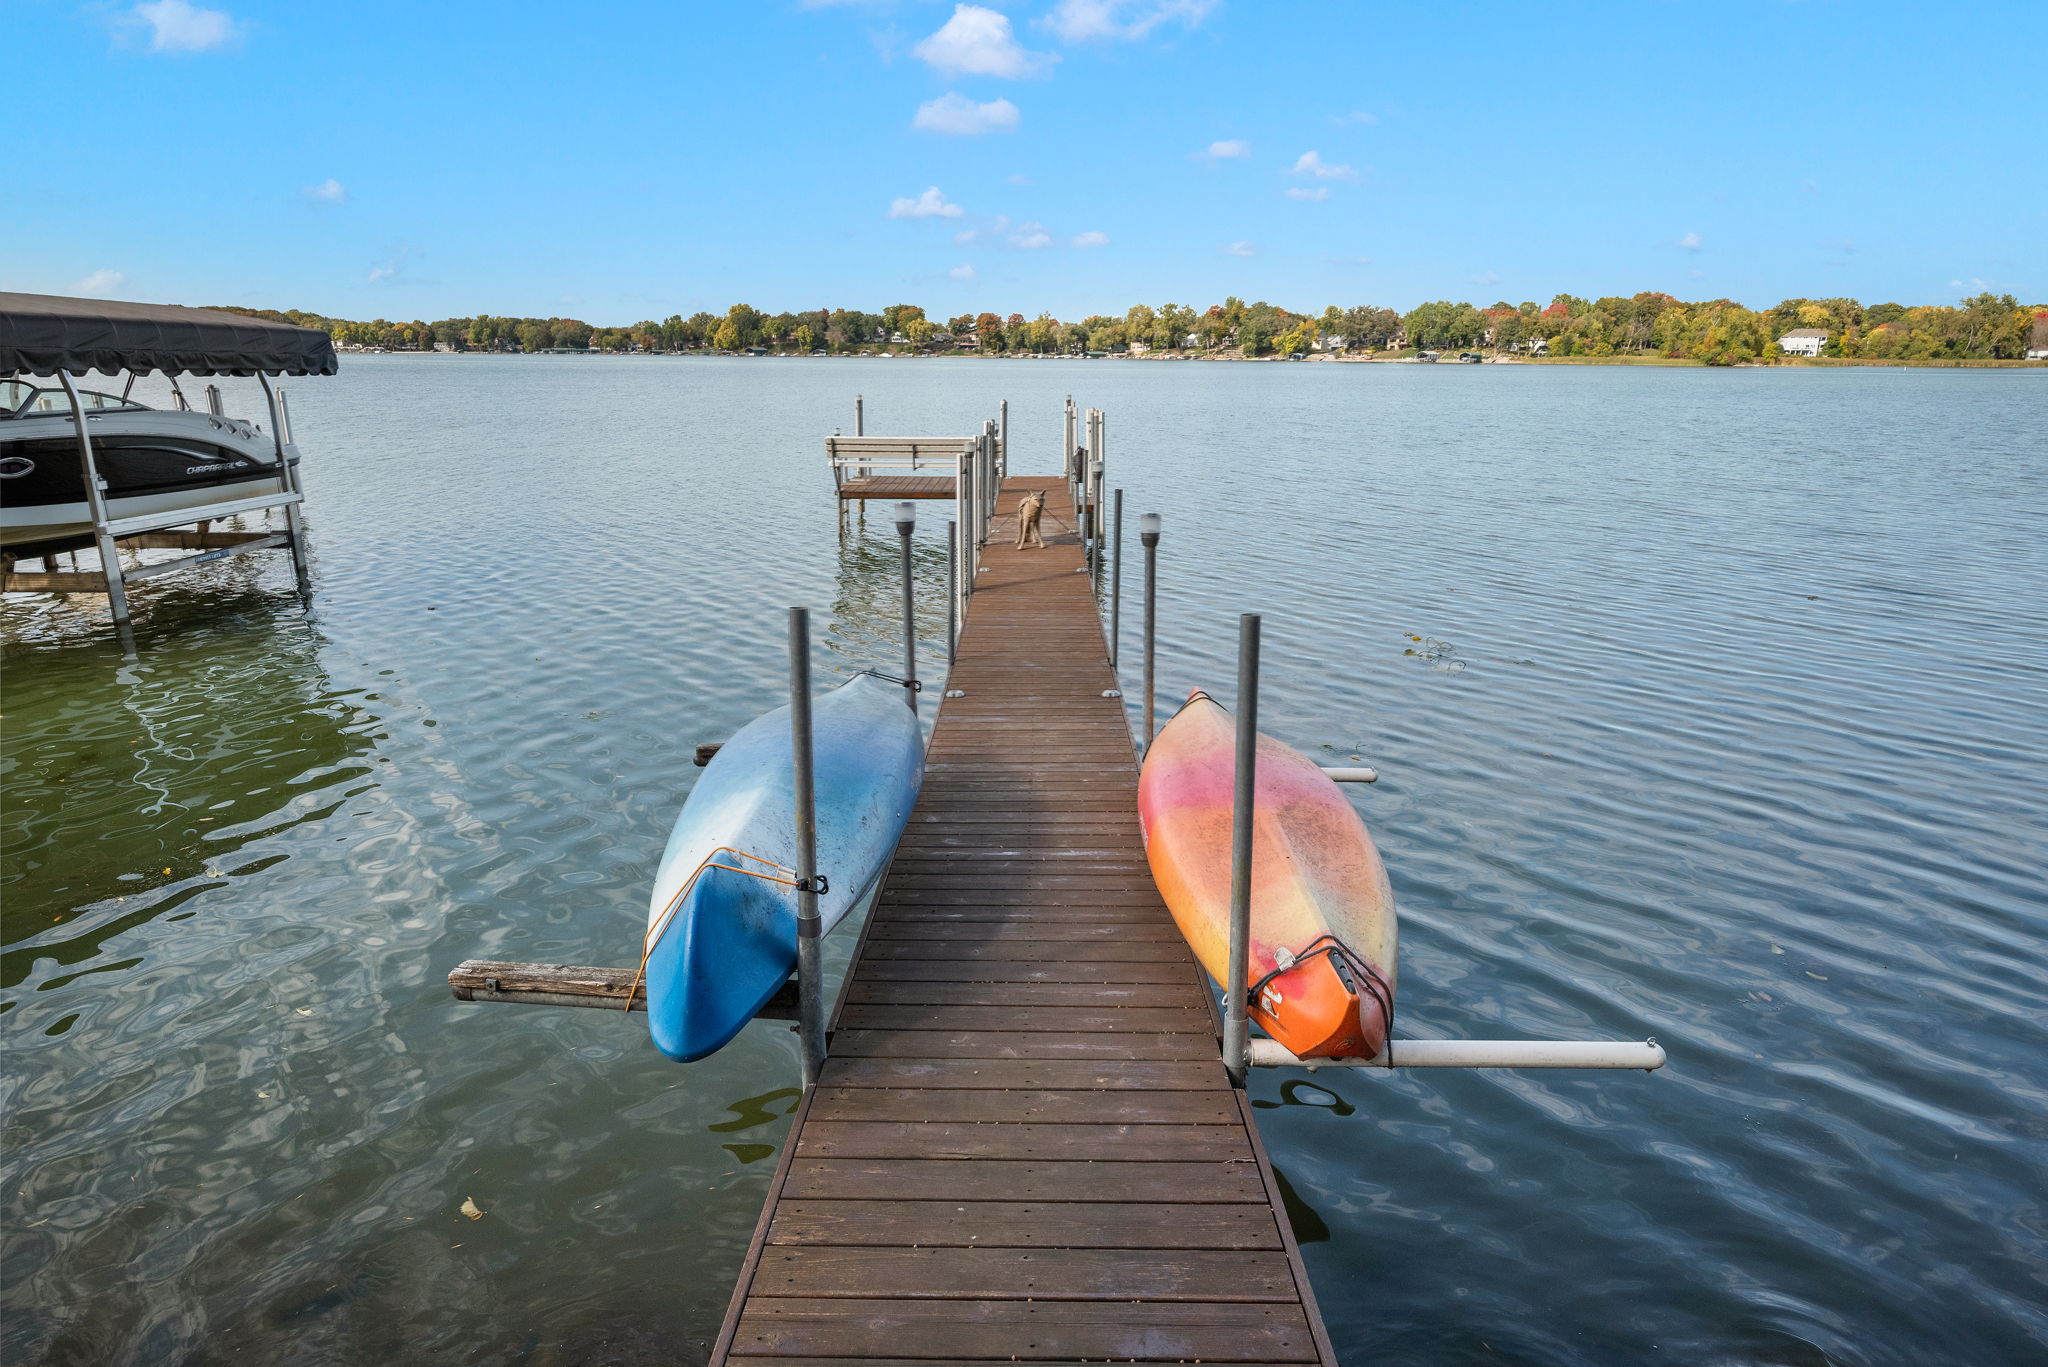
(1782, 363)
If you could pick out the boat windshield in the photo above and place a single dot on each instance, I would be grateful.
(20, 399)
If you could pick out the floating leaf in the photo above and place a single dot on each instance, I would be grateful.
(469, 1209)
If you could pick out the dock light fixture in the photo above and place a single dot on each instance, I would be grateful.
(1148, 533)
(906, 523)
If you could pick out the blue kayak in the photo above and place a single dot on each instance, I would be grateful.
(721, 924)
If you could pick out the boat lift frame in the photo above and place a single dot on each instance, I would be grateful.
(111, 535)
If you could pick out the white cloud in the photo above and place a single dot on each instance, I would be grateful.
(100, 284)
(978, 42)
(953, 115)
(1239, 249)
(1319, 192)
(1973, 283)
(390, 267)
(1091, 239)
(930, 204)
(1355, 116)
(964, 272)
(966, 237)
(1486, 278)
(1029, 237)
(177, 26)
(1223, 151)
(1083, 21)
(1691, 242)
(328, 191)
(1697, 274)
(1017, 179)
(1312, 164)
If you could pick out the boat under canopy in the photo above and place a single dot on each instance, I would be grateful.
(85, 467)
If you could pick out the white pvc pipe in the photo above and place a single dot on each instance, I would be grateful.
(1357, 775)
(1646, 1055)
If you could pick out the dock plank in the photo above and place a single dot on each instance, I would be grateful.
(1131, 1331)
(1029, 1274)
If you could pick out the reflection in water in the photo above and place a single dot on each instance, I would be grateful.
(867, 609)
(136, 784)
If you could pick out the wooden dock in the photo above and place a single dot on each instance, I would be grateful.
(1023, 1146)
(897, 486)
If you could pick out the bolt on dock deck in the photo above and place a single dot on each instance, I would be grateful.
(1024, 1146)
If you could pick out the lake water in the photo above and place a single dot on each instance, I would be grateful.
(1725, 726)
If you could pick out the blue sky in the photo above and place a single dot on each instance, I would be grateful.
(631, 160)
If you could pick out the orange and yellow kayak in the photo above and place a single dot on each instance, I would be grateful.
(1321, 961)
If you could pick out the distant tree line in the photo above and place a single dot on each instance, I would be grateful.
(1716, 331)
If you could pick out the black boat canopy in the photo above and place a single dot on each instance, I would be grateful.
(41, 334)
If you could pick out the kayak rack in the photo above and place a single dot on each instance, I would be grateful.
(1241, 1052)
(801, 999)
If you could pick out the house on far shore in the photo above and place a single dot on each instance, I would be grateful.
(1803, 342)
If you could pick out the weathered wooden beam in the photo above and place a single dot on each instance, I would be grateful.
(604, 989)
(21, 581)
(189, 541)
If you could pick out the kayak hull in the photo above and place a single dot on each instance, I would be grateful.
(722, 941)
(1322, 948)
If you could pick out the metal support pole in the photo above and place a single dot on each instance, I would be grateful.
(1236, 1025)
(1148, 534)
(906, 523)
(860, 417)
(810, 969)
(96, 504)
(1116, 581)
(1003, 451)
(213, 403)
(287, 483)
(952, 590)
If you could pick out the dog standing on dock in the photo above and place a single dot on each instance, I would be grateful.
(1029, 509)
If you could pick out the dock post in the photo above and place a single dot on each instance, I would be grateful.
(860, 417)
(1003, 451)
(1236, 1027)
(952, 590)
(96, 503)
(906, 523)
(1148, 533)
(1116, 581)
(810, 970)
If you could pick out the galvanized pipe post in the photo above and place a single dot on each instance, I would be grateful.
(213, 403)
(906, 523)
(1236, 1024)
(1003, 451)
(810, 968)
(1116, 581)
(952, 590)
(96, 504)
(1148, 534)
(860, 416)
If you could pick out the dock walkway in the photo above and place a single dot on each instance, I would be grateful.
(1024, 1146)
